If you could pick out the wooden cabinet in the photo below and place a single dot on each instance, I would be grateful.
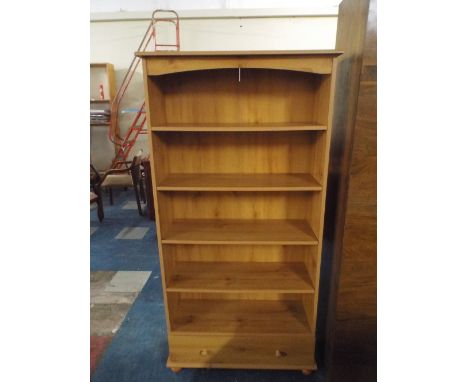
(352, 319)
(102, 78)
(239, 147)
(102, 93)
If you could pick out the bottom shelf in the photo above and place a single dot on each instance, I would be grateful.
(216, 316)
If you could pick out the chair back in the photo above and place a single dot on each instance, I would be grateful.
(135, 167)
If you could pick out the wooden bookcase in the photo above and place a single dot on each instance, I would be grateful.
(239, 149)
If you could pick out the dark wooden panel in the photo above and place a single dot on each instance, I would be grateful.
(351, 221)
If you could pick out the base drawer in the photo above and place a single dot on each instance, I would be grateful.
(260, 352)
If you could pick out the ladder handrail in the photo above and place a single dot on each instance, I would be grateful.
(125, 144)
(174, 20)
(130, 137)
(149, 34)
(126, 81)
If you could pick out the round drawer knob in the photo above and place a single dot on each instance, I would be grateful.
(279, 353)
(204, 352)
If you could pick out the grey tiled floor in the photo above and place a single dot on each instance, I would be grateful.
(131, 205)
(132, 233)
(107, 318)
(112, 295)
(128, 281)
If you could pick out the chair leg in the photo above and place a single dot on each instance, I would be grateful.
(111, 198)
(137, 196)
(100, 210)
(100, 206)
(142, 192)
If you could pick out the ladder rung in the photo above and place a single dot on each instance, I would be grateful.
(128, 111)
(172, 20)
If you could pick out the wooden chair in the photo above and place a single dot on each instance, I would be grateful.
(130, 176)
(96, 197)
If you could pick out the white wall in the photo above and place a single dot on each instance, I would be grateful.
(116, 36)
(149, 5)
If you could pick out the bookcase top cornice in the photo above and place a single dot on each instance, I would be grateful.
(160, 53)
(312, 61)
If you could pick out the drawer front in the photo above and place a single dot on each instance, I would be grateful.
(261, 352)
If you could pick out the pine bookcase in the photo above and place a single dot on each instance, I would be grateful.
(239, 146)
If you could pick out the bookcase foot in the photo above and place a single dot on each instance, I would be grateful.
(175, 369)
(306, 371)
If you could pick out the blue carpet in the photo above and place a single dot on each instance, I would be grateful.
(138, 352)
(110, 254)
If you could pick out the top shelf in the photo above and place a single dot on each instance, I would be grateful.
(191, 127)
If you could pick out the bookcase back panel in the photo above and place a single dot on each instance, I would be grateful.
(233, 96)
(266, 296)
(99, 76)
(235, 267)
(239, 253)
(238, 205)
(240, 153)
(240, 313)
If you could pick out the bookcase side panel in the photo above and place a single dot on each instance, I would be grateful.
(324, 113)
(153, 105)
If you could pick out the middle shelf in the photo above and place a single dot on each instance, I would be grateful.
(239, 182)
(243, 231)
(240, 127)
(199, 217)
(203, 276)
(243, 161)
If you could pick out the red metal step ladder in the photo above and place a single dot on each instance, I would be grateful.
(138, 125)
